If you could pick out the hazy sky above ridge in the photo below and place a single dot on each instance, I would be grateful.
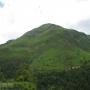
(20, 16)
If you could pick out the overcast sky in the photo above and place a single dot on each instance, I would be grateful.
(20, 16)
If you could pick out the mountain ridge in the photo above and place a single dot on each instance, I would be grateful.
(48, 47)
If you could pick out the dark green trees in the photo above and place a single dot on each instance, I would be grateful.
(24, 73)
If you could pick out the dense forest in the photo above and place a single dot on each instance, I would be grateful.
(49, 57)
(72, 79)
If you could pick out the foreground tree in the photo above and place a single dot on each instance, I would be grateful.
(24, 73)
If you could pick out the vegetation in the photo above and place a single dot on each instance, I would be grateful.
(49, 57)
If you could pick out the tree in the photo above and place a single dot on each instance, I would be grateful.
(24, 73)
(2, 78)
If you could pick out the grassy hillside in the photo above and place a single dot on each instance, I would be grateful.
(48, 47)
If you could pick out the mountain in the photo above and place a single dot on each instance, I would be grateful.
(47, 48)
(88, 36)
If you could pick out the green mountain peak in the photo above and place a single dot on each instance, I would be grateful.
(48, 47)
(43, 28)
(48, 57)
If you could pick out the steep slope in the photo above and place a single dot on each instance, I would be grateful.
(48, 47)
(88, 36)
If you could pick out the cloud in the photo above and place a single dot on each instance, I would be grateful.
(20, 16)
(81, 0)
(1, 4)
(83, 26)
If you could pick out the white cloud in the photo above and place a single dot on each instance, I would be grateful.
(19, 16)
(81, 0)
(83, 26)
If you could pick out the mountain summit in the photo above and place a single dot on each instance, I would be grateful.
(43, 28)
(48, 47)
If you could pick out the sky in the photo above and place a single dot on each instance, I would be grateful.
(20, 16)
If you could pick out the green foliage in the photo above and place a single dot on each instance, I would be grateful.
(26, 86)
(49, 57)
(49, 47)
(74, 79)
(24, 73)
